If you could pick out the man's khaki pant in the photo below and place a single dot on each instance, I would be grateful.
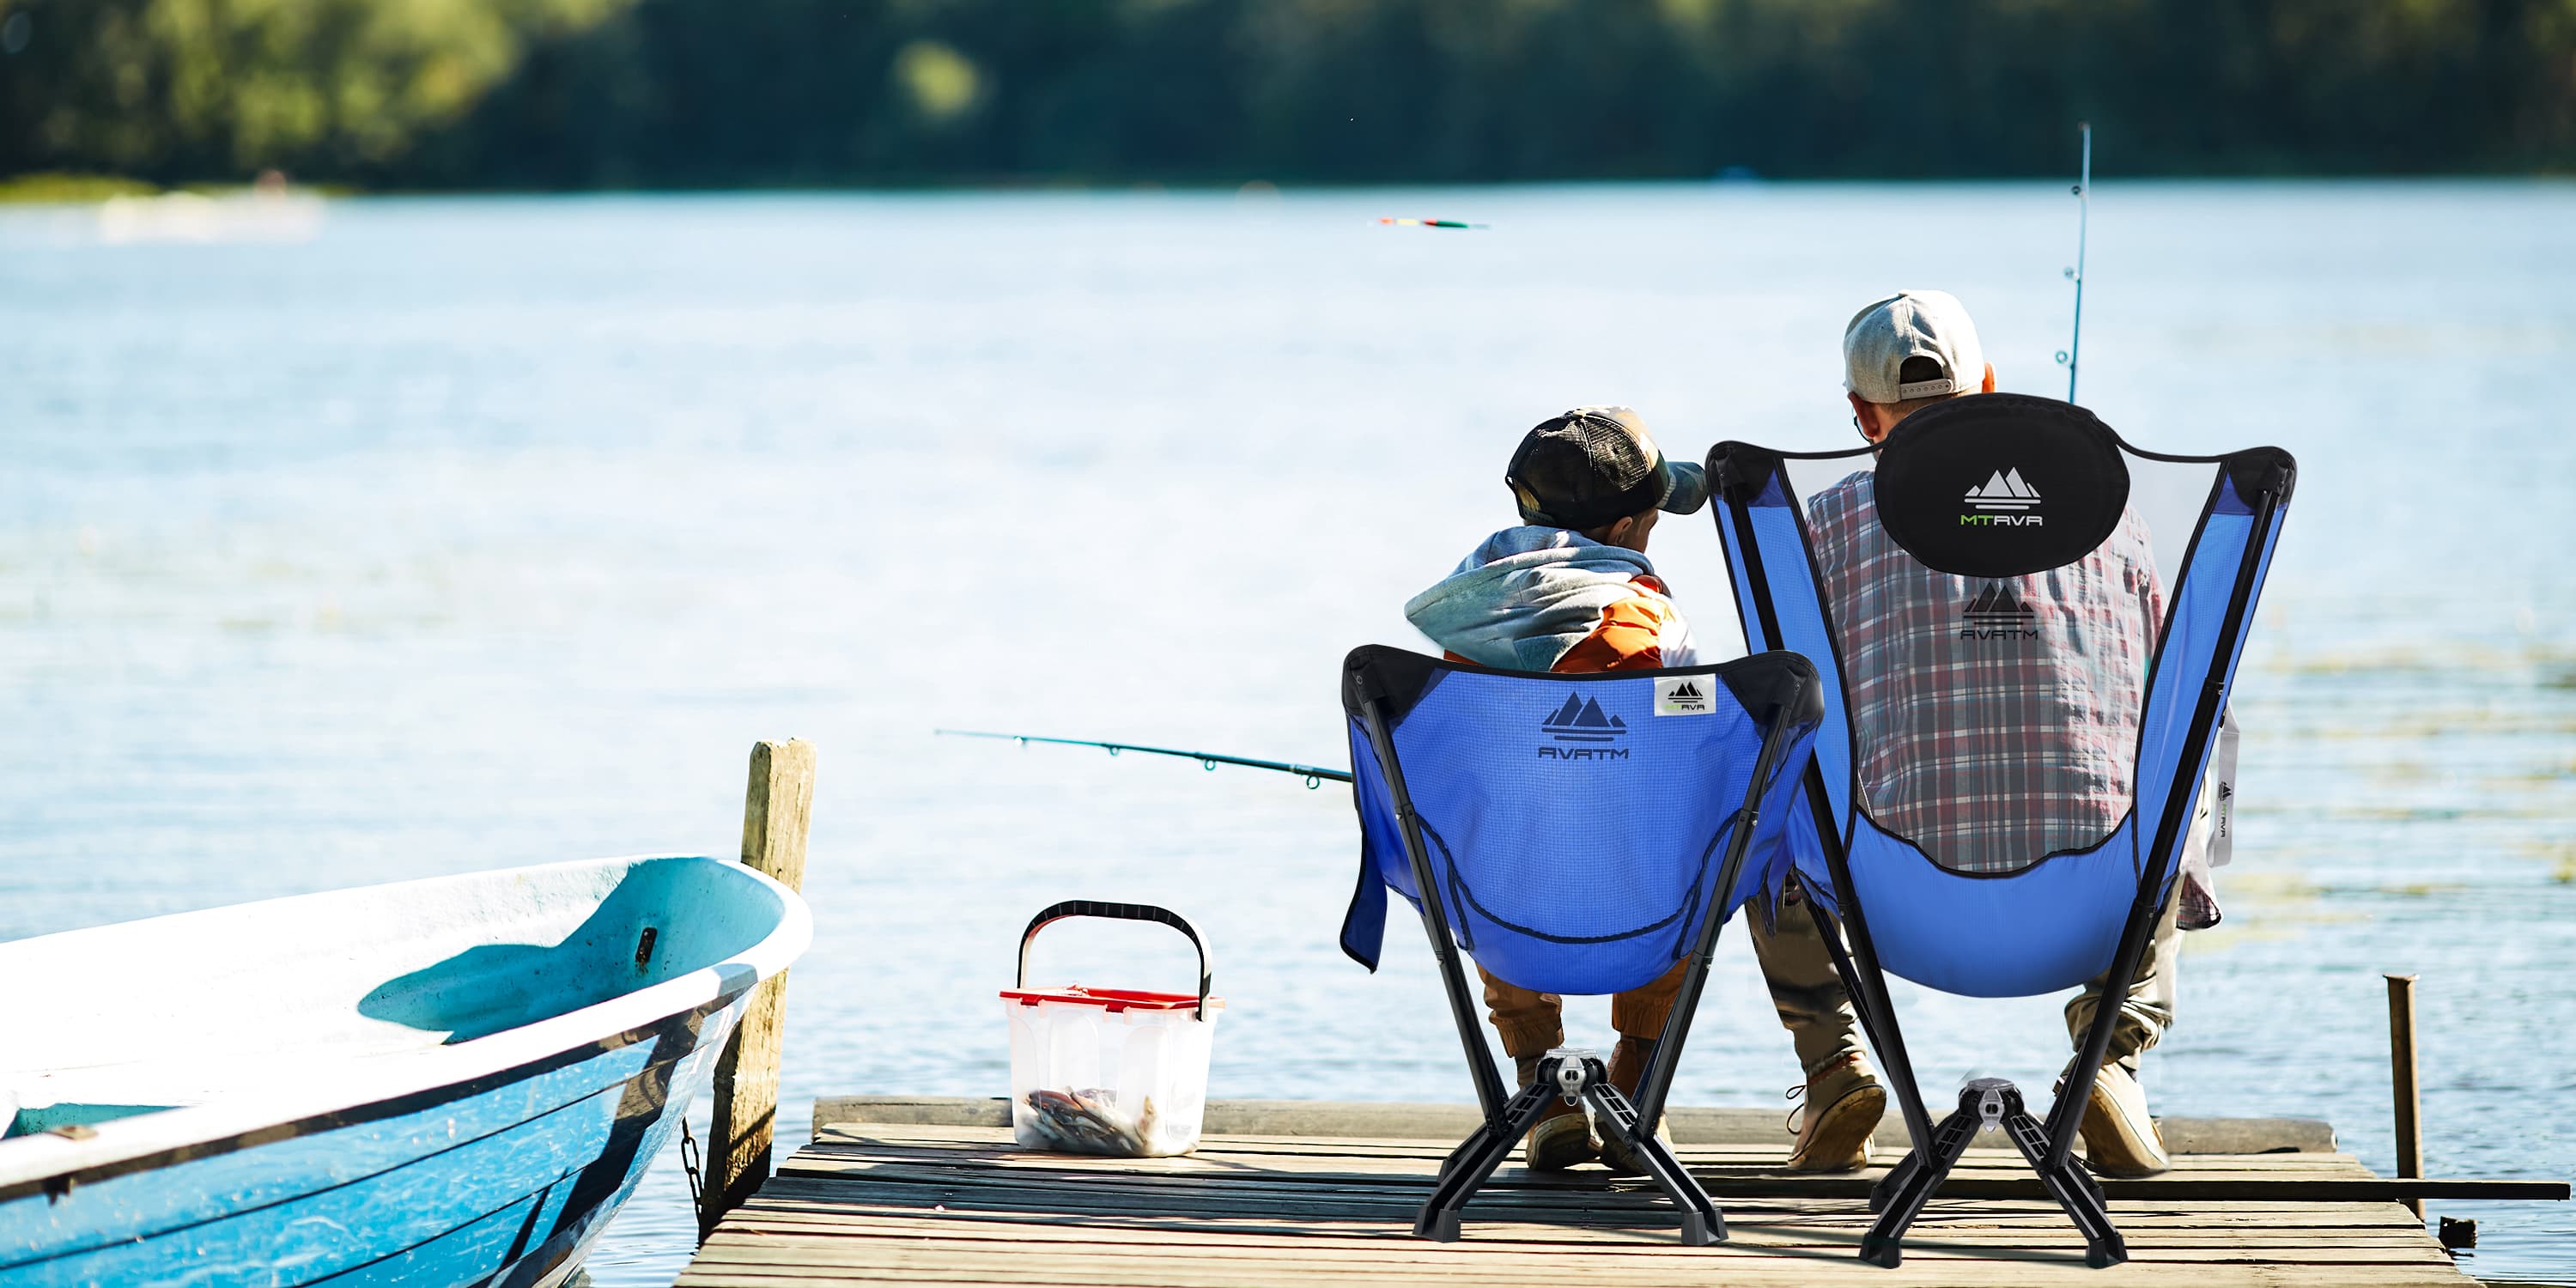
(1809, 997)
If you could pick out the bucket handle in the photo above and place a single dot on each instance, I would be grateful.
(1115, 912)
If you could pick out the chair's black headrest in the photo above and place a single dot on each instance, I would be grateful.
(1999, 485)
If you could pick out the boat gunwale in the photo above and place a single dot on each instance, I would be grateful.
(407, 1082)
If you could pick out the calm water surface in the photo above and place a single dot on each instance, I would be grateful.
(476, 533)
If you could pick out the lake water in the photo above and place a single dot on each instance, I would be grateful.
(455, 534)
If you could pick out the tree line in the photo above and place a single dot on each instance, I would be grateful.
(568, 94)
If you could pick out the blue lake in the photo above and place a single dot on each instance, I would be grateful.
(431, 535)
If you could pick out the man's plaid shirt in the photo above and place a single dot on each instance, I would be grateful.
(1997, 718)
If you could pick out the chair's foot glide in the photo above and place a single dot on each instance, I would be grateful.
(1883, 1252)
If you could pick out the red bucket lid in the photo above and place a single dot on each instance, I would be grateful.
(1112, 1000)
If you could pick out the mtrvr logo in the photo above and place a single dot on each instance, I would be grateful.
(2004, 501)
(1995, 614)
(1582, 731)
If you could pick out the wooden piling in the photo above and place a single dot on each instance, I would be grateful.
(776, 808)
(2401, 1070)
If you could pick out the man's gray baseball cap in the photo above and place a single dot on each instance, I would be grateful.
(1912, 324)
(1597, 465)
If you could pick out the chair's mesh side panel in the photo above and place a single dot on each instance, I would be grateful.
(1783, 552)
(1578, 834)
(2193, 646)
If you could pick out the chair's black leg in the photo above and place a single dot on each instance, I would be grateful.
(1880, 1025)
(1483, 1151)
(1475, 1141)
(1867, 987)
(1897, 1178)
(2074, 1190)
(1701, 1222)
(1884, 1244)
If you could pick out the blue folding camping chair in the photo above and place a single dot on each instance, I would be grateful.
(1991, 499)
(1581, 834)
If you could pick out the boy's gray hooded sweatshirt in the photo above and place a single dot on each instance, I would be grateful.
(1529, 594)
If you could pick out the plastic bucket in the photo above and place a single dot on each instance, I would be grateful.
(1109, 1070)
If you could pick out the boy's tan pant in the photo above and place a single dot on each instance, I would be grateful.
(1809, 997)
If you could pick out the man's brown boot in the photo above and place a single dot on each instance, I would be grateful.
(1844, 1103)
(2120, 1139)
(1628, 1063)
(1562, 1136)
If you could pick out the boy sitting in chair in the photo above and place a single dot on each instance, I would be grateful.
(1570, 591)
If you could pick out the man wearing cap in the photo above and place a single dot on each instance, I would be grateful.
(1933, 762)
(1570, 590)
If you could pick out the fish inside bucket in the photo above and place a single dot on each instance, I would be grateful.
(1107, 1070)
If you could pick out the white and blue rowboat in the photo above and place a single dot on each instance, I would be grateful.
(445, 1082)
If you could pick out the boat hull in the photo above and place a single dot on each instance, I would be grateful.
(503, 1173)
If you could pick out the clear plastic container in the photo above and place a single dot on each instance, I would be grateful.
(1107, 1070)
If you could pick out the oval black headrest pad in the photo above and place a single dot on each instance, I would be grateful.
(2000, 485)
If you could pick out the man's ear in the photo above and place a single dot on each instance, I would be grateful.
(1865, 415)
(1990, 379)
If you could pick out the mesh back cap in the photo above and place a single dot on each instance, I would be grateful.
(1596, 465)
(1912, 324)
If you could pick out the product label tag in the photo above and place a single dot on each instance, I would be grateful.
(1684, 695)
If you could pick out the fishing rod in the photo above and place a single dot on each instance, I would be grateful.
(1208, 760)
(2083, 210)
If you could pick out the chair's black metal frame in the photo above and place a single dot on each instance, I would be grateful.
(2048, 1146)
(1576, 1075)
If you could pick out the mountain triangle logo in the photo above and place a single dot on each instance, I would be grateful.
(1997, 614)
(1582, 720)
(2005, 491)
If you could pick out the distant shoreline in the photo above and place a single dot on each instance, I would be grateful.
(54, 189)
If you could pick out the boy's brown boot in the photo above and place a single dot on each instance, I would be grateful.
(1562, 1136)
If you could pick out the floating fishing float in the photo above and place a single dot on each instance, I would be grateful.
(1430, 223)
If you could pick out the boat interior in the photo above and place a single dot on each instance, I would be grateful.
(290, 991)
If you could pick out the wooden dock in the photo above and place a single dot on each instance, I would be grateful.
(932, 1202)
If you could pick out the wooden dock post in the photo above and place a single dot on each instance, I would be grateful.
(2401, 1078)
(776, 809)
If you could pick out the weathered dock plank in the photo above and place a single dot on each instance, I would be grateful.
(946, 1204)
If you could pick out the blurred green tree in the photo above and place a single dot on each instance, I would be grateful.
(589, 93)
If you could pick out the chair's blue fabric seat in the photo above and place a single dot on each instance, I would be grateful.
(1575, 824)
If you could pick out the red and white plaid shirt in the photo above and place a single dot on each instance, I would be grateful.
(1997, 717)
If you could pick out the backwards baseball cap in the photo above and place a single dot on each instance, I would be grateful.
(1597, 465)
(1912, 324)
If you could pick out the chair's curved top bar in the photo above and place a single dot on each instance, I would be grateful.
(1400, 677)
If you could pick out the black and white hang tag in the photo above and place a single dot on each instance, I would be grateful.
(2000, 485)
(2222, 830)
(1685, 695)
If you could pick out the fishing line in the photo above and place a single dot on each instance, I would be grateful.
(1208, 760)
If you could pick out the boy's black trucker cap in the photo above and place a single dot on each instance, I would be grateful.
(1596, 465)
